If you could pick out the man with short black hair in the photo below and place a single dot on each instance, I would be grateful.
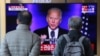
(21, 42)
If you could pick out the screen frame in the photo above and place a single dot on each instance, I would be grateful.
(3, 25)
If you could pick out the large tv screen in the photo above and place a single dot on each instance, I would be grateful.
(87, 12)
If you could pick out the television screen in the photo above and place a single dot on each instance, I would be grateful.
(87, 12)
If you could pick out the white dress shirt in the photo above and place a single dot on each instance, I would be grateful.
(56, 32)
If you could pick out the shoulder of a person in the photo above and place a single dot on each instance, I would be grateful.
(35, 35)
(62, 37)
(86, 38)
(10, 32)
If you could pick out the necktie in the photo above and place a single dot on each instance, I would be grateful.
(52, 34)
(52, 37)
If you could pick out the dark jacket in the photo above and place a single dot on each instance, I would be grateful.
(74, 36)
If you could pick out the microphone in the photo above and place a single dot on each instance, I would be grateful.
(52, 37)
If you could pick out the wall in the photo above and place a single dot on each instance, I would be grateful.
(58, 1)
(7, 1)
(53, 1)
(2, 19)
(98, 29)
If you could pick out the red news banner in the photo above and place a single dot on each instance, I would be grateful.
(47, 47)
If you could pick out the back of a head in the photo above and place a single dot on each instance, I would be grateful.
(25, 17)
(75, 22)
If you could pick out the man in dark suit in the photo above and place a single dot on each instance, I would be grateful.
(44, 32)
(50, 33)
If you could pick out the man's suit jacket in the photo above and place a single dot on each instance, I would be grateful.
(45, 31)
(20, 42)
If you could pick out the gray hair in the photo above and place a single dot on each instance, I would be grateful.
(55, 9)
(75, 22)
